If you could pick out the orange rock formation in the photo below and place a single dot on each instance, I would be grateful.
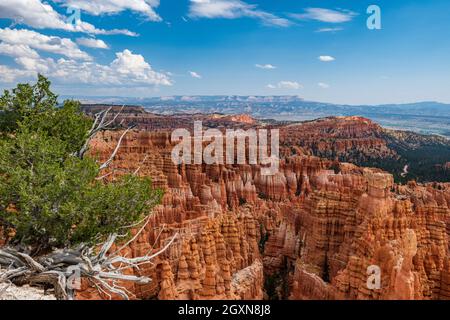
(319, 223)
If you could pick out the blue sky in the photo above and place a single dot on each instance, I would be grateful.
(319, 50)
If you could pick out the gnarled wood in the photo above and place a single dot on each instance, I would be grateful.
(57, 268)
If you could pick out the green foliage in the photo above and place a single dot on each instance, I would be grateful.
(425, 163)
(49, 196)
(26, 101)
(35, 107)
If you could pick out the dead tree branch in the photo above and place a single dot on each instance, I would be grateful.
(103, 269)
(111, 158)
(100, 124)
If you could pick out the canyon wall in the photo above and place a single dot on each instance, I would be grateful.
(311, 231)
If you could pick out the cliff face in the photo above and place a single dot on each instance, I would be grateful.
(406, 155)
(309, 232)
(351, 139)
(216, 255)
(401, 230)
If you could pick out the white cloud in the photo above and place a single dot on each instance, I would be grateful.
(11, 75)
(265, 66)
(145, 7)
(40, 15)
(134, 67)
(23, 39)
(323, 85)
(325, 15)
(233, 9)
(92, 43)
(289, 85)
(126, 70)
(17, 50)
(292, 85)
(330, 29)
(195, 75)
(326, 58)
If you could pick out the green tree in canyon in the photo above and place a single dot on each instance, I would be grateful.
(50, 194)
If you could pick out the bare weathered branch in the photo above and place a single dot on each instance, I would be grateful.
(133, 238)
(104, 270)
(139, 167)
(135, 261)
(98, 125)
(104, 176)
(111, 158)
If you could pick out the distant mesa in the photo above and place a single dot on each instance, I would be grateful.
(423, 117)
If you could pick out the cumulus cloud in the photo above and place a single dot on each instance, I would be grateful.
(23, 40)
(265, 66)
(195, 75)
(292, 85)
(40, 15)
(17, 50)
(326, 58)
(233, 9)
(92, 43)
(323, 85)
(10, 75)
(128, 69)
(145, 7)
(325, 15)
